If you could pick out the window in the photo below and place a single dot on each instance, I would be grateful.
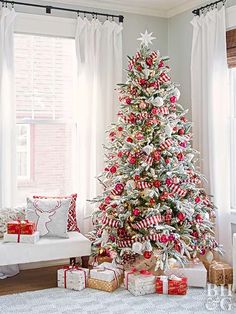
(45, 87)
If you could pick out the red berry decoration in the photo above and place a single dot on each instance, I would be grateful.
(120, 129)
(173, 99)
(147, 254)
(136, 177)
(167, 161)
(197, 200)
(128, 100)
(157, 155)
(152, 201)
(181, 131)
(149, 61)
(139, 68)
(132, 160)
(136, 211)
(142, 81)
(171, 237)
(180, 156)
(107, 200)
(156, 184)
(163, 238)
(161, 64)
(155, 110)
(181, 216)
(169, 181)
(113, 169)
(120, 154)
(198, 218)
(129, 140)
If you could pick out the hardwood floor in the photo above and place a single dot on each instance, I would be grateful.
(30, 280)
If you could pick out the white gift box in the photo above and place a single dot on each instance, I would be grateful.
(22, 238)
(72, 278)
(196, 274)
(105, 272)
(140, 284)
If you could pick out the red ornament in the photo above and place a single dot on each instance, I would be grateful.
(180, 156)
(197, 200)
(129, 140)
(136, 211)
(136, 177)
(181, 131)
(113, 169)
(183, 144)
(157, 156)
(120, 154)
(128, 100)
(171, 237)
(139, 68)
(157, 183)
(132, 160)
(119, 187)
(168, 181)
(181, 216)
(142, 81)
(147, 254)
(173, 99)
(155, 110)
(167, 161)
(107, 200)
(149, 61)
(164, 239)
(120, 129)
(198, 218)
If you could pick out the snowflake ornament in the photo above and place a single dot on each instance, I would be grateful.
(146, 38)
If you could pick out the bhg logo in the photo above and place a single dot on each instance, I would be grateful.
(219, 298)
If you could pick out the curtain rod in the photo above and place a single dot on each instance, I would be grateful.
(208, 6)
(49, 9)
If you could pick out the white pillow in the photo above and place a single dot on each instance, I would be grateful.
(9, 214)
(50, 216)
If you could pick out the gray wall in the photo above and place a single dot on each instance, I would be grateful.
(179, 50)
(133, 25)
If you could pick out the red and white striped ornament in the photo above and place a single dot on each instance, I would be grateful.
(153, 220)
(110, 222)
(166, 144)
(176, 189)
(143, 185)
(163, 78)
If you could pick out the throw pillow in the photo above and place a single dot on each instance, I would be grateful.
(72, 222)
(50, 216)
(9, 214)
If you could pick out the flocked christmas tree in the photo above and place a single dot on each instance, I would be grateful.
(153, 202)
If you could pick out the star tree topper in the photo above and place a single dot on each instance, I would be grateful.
(146, 38)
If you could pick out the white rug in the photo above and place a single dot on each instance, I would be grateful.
(88, 301)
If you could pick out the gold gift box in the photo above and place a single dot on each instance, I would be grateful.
(105, 285)
(220, 273)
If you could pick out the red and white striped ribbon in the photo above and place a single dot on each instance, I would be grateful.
(153, 220)
(176, 189)
(148, 160)
(110, 222)
(192, 180)
(164, 110)
(207, 202)
(143, 185)
(129, 242)
(163, 78)
(154, 55)
(118, 191)
(166, 144)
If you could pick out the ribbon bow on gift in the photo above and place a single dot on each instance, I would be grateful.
(110, 268)
(19, 224)
(72, 268)
(136, 272)
(165, 282)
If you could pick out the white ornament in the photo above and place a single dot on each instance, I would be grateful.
(168, 130)
(146, 38)
(130, 184)
(176, 93)
(158, 102)
(148, 149)
(137, 247)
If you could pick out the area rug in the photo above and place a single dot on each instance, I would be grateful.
(88, 301)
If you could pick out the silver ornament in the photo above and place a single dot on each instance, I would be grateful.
(137, 247)
(158, 102)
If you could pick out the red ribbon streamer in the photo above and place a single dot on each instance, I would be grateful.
(71, 268)
(143, 272)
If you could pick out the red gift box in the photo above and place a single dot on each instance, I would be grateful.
(21, 227)
(171, 285)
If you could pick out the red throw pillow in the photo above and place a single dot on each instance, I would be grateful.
(72, 223)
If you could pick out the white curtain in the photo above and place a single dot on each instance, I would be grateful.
(99, 56)
(7, 120)
(211, 110)
(7, 110)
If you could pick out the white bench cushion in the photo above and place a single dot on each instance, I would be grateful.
(46, 249)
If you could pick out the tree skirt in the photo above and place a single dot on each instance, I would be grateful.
(88, 301)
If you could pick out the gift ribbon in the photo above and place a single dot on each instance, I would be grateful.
(102, 268)
(19, 224)
(134, 271)
(165, 282)
(217, 266)
(72, 268)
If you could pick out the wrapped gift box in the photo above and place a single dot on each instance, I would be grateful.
(172, 285)
(106, 277)
(72, 277)
(195, 273)
(21, 238)
(140, 282)
(220, 273)
(21, 226)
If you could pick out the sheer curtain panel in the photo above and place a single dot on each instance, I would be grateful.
(99, 57)
(211, 111)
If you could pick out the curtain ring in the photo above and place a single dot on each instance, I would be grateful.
(12, 5)
(78, 13)
(107, 17)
